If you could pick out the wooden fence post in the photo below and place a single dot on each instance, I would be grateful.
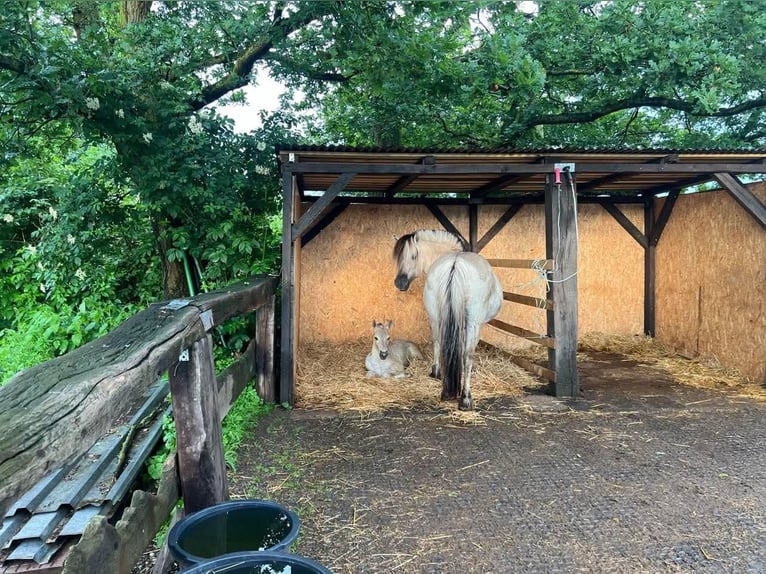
(264, 351)
(199, 440)
(561, 246)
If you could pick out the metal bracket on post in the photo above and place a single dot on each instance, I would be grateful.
(175, 304)
(207, 319)
(184, 356)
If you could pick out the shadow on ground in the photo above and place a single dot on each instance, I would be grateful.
(638, 475)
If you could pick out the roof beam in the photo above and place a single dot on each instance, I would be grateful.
(321, 205)
(664, 217)
(337, 208)
(626, 223)
(400, 184)
(596, 183)
(496, 185)
(507, 168)
(498, 226)
(445, 221)
(743, 196)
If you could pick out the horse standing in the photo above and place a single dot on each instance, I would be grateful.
(460, 294)
(389, 358)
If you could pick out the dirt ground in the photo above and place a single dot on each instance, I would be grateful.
(639, 475)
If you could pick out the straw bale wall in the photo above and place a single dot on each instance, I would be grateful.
(347, 273)
(711, 281)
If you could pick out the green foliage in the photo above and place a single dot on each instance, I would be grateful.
(111, 133)
(241, 419)
(651, 74)
(167, 446)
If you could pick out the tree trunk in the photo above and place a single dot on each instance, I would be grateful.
(173, 276)
(133, 11)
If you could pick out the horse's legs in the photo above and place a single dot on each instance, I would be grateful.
(471, 340)
(435, 366)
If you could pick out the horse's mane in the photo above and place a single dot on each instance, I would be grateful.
(436, 235)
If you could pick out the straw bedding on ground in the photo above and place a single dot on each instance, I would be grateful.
(333, 375)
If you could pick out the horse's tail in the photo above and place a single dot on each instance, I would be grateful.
(452, 334)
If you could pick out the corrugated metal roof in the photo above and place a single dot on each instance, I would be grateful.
(546, 151)
(507, 175)
(59, 507)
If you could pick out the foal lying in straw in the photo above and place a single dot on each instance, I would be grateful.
(389, 358)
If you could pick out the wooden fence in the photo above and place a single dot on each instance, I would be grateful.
(543, 339)
(55, 411)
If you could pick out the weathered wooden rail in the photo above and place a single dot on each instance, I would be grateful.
(56, 410)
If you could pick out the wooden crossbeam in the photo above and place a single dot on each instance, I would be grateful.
(543, 340)
(546, 264)
(527, 300)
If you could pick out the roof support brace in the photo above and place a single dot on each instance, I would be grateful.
(743, 196)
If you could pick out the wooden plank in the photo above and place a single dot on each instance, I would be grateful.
(658, 224)
(545, 264)
(329, 216)
(536, 302)
(400, 184)
(526, 168)
(538, 370)
(473, 227)
(287, 354)
(497, 185)
(534, 368)
(235, 300)
(264, 353)
(498, 226)
(744, 197)
(446, 223)
(320, 205)
(234, 378)
(626, 224)
(543, 340)
(650, 259)
(561, 245)
(199, 440)
(97, 384)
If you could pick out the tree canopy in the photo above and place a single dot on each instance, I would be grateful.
(119, 176)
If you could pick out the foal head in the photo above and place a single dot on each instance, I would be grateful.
(381, 336)
(415, 252)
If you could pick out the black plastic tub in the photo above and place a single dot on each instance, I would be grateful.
(259, 563)
(239, 526)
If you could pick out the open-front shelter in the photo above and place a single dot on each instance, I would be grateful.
(320, 183)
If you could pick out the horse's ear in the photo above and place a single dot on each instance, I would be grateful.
(374, 323)
(389, 324)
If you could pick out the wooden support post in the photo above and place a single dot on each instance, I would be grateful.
(287, 352)
(264, 351)
(561, 246)
(650, 258)
(473, 227)
(199, 442)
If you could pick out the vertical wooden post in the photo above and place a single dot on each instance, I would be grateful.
(473, 227)
(264, 351)
(561, 246)
(287, 351)
(650, 259)
(199, 441)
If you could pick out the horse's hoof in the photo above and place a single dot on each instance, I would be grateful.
(465, 404)
(434, 374)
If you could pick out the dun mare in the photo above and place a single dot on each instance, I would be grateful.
(461, 293)
(389, 358)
